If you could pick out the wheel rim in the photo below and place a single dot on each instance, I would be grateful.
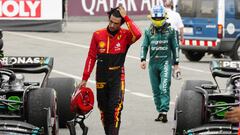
(50, 128)
(238, 52)
(54, 121)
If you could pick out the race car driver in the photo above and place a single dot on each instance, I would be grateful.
(161, 39)
(109, 47)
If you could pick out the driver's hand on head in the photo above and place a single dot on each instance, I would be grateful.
(233, 115)
(122, 11)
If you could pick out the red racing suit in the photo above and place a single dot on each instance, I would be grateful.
(110, 52)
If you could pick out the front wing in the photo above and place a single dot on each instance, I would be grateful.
(214, 129)
(14, 127)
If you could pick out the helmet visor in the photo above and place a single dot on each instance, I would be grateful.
(158, 22)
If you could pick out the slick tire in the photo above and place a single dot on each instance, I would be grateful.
(41, 110)
(64, 88)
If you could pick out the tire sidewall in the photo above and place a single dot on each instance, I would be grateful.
(40, 104)
(234, 55)
(64, 88)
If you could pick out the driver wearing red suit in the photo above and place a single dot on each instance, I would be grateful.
(109, 47)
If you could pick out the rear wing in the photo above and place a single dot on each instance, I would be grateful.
(25, 64)
(224, 68)
(30, 65)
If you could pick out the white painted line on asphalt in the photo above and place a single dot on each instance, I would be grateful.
(141, 95)
(195, 70)
(48, 39)
(85, 46)
(77, 77)
(94, 82)
(182, 67)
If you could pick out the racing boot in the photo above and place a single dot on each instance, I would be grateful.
(164, 118)
(159, 117)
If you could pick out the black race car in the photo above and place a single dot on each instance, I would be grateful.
(201, 104)
(33, 107)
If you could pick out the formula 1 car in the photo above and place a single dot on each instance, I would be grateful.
(201, 105)
(33, 107)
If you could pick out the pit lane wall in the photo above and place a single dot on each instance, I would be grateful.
(85, 10)
(31, 15)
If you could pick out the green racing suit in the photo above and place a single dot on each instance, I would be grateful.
(164, 51)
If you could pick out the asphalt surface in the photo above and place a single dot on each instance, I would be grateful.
(69, 49)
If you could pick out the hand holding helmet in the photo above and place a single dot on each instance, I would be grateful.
(83, 83)
(82, 100)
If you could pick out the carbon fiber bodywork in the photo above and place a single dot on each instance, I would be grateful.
(13, 127)
(213, 129)
(18, 97)
(201, 105)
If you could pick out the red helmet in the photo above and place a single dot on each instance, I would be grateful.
(82, 100)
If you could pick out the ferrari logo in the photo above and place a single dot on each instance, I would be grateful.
(119, 37)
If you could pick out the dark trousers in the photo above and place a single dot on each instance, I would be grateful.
(110, 93)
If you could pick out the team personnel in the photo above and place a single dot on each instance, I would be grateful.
(174, 19)
(109, 47)
(233, 115)
(160, 40)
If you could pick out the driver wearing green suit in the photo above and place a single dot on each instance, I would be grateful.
(161, 42)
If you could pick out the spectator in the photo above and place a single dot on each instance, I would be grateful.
(233, 115)
(174, 19)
